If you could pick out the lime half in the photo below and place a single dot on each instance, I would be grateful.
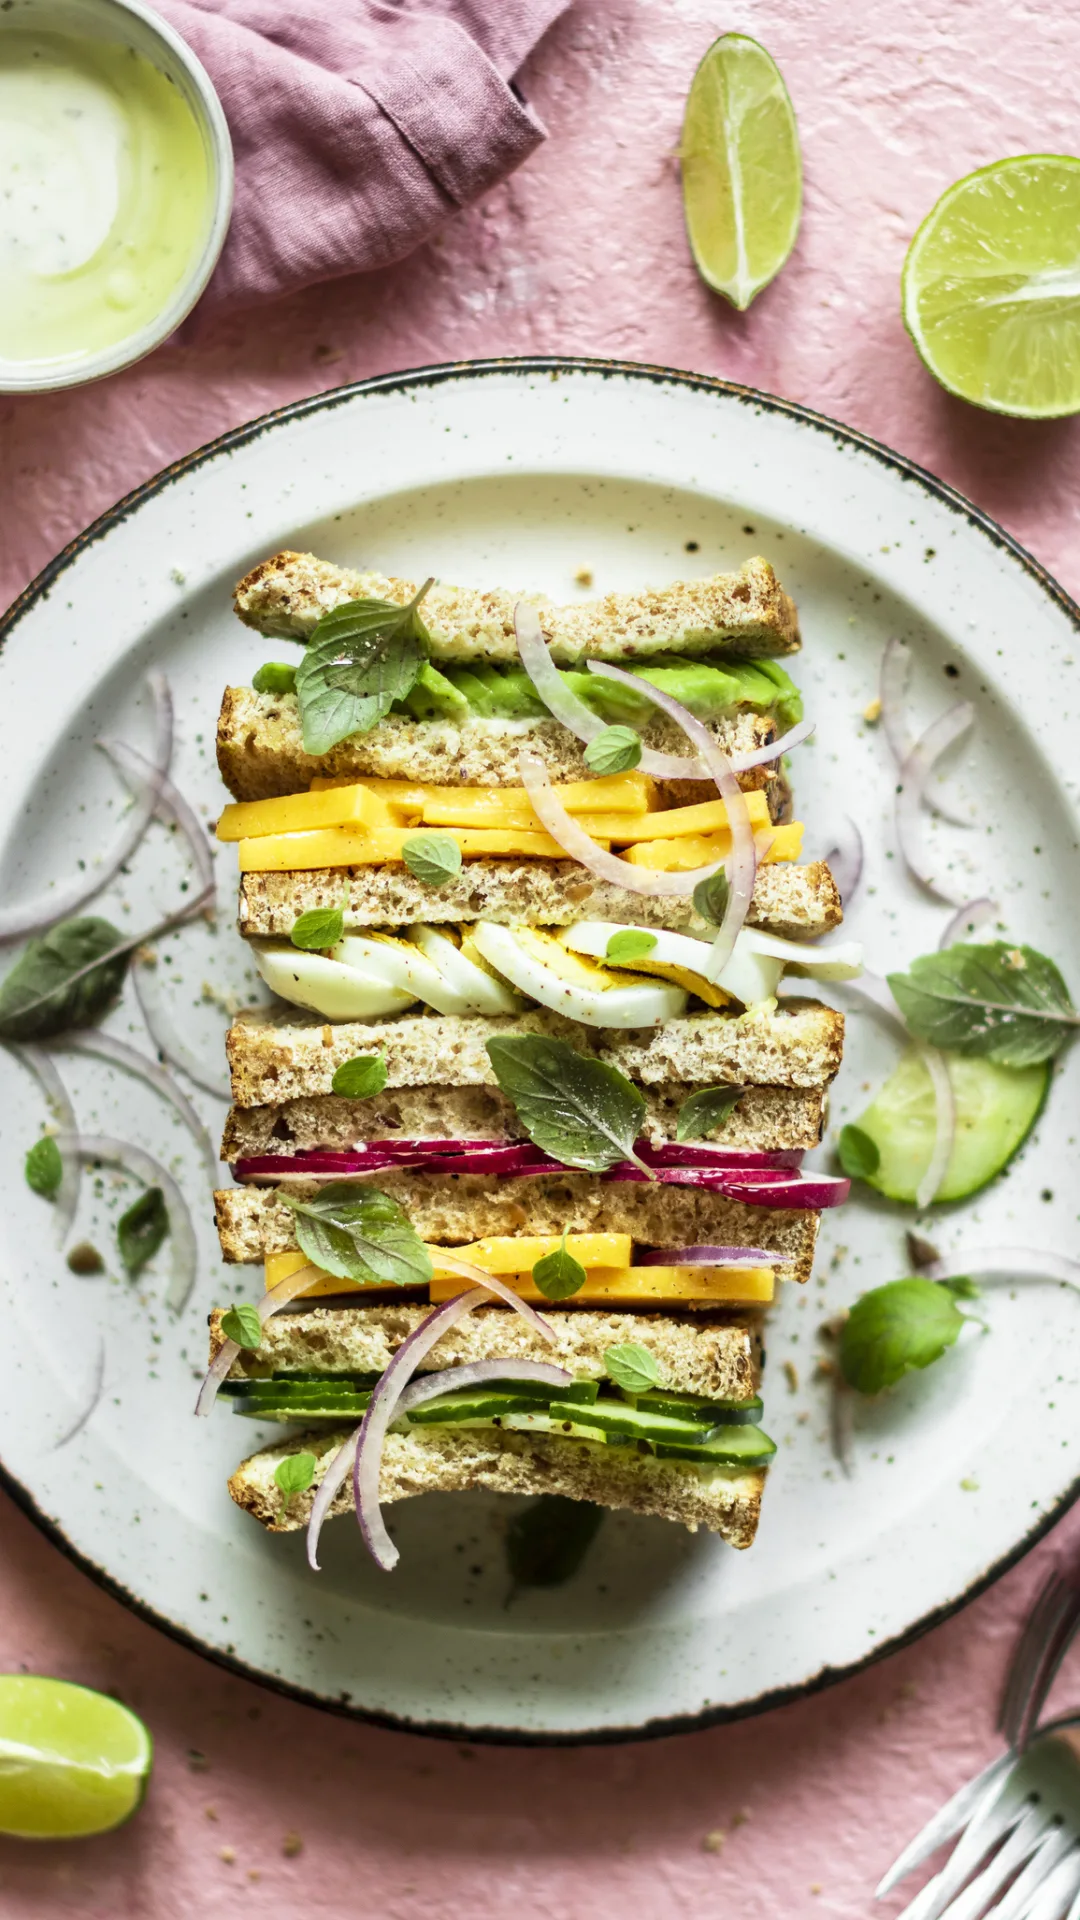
(991, 287)
(72, 1762)
(741, 169)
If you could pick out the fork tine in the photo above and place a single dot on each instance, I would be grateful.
(1074, 1910)
(1052, 1848)
(1057, 1647)
(947, 1821)
(1022, 1842)
(1063, 1884)
(1027, 1653)
(992, 1819)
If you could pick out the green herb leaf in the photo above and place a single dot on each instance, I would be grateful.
(892, 1329)
(859, 1156)
(558, 1274)
(275, 677)
(961, 1287)
(633, 1367)
(361, 658)
(1007, 1003)
(360, 1078)
(547, 1542)
(629, 944)
(141, 1230)
(41, 997)
(616, 750)
(243, 1325)
(318, 929)
(294, 1474)
(360, 1234)
(711, 897)
(579, 1110)
(44, 1167)
(432, 858)
(706, 1111)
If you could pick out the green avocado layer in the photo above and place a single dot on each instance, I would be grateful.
(711, 689)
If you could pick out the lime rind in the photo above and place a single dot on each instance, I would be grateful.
(741, 169)
(991, 287)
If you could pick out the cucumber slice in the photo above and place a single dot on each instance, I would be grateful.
(996, 1108)
(696, 1407)
(728, 1447)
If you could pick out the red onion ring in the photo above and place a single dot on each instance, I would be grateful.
(810, 1193)
(914, 773)
(169, 1042)
(845, 860)
(132, 1159)
(895, 674)
(968, 919)
(761, 756)
(59, 903)
(91, 1404)
(170, 805)
(271, 1303)
(710, 1256)
(876, 995)
(44, 1070)
(494, 1285)
(673, 1154)
(741, 865)
(476, 1374)
(1006, 1263)
(581, 847)
(108, 1047)
(944, 1126)
(508, 1161)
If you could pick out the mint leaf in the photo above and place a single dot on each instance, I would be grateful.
(616, 750)
(706, 1111)
(318, 929)
(44, 1167)
(558, 1274)
(895, 1328)
(357, 1233)
(432, 858)
(275, 677)
(579, 1110)
(141, 1230)
(1007, 1003)
(630, 944)
(361, 658)
(633, 1367)
(243, 1325)
(294, 1474)
(360, 1078)
(859, 1155)
(711, 897)
(41, 995)
(547, 1542)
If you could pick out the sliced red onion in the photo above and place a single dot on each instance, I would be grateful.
(944, 1126)
(710, 1256)
(580, 845)
(508, 1161)
(135, 1160)
(91, 1405)
(271, 1303)
(505, 1292)
(761, 756)
(59, 903)
(170, 806)
(108, 1047)
(845, 860)
(44, 1069)
(967, 920)
(741, 865)
(476, 1374)
(842, 1424)
(1006, 1263)
(876, 994)
(914, 774)
(813, 1192)
(895, 674)
(673, 1154)
(170, 1043)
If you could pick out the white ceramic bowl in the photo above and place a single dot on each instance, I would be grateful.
(151, 36)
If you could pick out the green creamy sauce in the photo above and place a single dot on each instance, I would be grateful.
(710, 688)
(105, 194)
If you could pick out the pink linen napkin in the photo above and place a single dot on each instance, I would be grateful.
(358, 126)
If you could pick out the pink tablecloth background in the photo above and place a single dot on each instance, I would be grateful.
(581, 252)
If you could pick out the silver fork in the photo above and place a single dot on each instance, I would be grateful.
(1046, 1637)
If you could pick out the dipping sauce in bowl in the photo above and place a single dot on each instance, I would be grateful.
(114, 188)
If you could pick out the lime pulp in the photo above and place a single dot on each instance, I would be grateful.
(72, 1762)
(741, 169)
(996, 1108)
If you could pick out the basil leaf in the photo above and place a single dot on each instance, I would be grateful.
(432, 858)
(243, 1325)
(558, 1274)
(40, 996)
(360, 1078)
(616, 750)
(360, 1234)
(961, 1287)
(547, 1542)
(361, 658)
(711, 897)
(579, 1110)
(141, 1230)
(44, 1167)
(294, 1474)
(318, 929)
(892, 1329)
(275, 677)
(859, 1156)
(706, 1111)
(1007, 1003)
(630, 944)
(633, 1367)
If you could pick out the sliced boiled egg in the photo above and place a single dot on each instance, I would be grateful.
(326, 986)
(751, 974)
(401, 964)
(475, 987)
(542, 967)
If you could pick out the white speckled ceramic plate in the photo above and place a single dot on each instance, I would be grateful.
(522, 473)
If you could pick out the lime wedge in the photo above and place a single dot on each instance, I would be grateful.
(991, 287)
(72, 1762)
(741, 169)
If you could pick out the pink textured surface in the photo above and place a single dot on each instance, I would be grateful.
(581, 252)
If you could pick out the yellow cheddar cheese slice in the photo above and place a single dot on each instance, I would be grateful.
(672, 822)
(300, 812)
(281, 1266)
(640, 1287)
(380, 846)
(506, 1253)
(701, 850)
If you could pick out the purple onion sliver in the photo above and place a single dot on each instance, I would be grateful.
(334, 1478)
(845, 860)
(813, 1193)
(170, 1043)
(761, 756)
(967, 920)
(674, 1153)
(944, 1126)
(132, 1159)
(107, 1046)
(895, 674)
(43, 1067)
(914, 774)
(1007, 1263)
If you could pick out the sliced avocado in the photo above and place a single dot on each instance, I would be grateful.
(996, 1108)
(433, 696)
(786, 701)
(695, 1407)
(498, 693)
(729, 1447)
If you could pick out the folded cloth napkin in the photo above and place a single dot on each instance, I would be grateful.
(358, 126)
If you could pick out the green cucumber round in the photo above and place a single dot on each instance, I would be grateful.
(996, 1108)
